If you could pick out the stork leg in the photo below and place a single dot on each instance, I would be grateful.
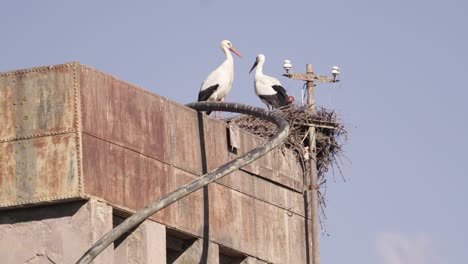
(221, 113)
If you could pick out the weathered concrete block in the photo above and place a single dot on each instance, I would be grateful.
(54, 234)
(200, 252)
(146, 244)
(251, 260)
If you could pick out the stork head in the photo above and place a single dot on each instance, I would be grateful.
(226, 44)
(260, 59)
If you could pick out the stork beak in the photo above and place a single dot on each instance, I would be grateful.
(235, 52)
(255, 65)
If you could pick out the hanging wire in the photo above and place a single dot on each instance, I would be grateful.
(304, 87)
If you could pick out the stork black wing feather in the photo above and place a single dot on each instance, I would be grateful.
(205, 94)
(281, 95)
(273, 100)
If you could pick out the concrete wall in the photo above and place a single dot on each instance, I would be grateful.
(73, 133)
(55, 233)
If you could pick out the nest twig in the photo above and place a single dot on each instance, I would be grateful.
(330, 138)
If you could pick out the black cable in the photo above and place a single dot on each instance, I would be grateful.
(140, 216)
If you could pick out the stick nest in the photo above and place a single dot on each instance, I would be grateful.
(331, 135)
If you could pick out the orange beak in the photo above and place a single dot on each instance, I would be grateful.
(235, 52)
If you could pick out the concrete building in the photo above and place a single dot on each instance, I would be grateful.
(81, 150)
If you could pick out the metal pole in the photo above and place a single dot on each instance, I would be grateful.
(313, 172)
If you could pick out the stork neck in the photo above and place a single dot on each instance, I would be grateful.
(228, 54)
(259, 68)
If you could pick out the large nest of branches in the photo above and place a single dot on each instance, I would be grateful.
(330, 137)
(330, 134)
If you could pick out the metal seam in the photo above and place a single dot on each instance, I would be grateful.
(259, 199)
(38, 69)
(129, 148)
(192, 172)
(77, 125)
(96, 71)
(38, 200)
(54, 133)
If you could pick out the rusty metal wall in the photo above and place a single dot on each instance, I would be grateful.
(39, 143)
(92, 135)
(124, 114)
(37, 102)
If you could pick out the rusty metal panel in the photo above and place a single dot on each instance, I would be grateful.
(240, 181)
(275, 165)
(297, 240)
(185, 139)
(232, 219)
(216, 144)
(121, 176)
(124, 114)
(280, 235)
(39, 169)
(263, 166)
(288, 167)
(190, 212)
(270, 192)
(130, 181)
(168, 215)
(234, 139)
(248, 142)
(271, 231)
(37, 102)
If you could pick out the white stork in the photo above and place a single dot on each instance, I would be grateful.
(219, 82)
(269, 89)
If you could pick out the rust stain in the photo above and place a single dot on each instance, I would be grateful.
(106, 105)
(7, 103)
(189, 210)
(271, 237)
(221, 214)
(169, 214)
(232, 219)
(36, 102)
(37, 168)
(121, 176)
(186, 150)
(216, 143)
(7, 171)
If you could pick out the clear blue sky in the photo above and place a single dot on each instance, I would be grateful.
(403, 94)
